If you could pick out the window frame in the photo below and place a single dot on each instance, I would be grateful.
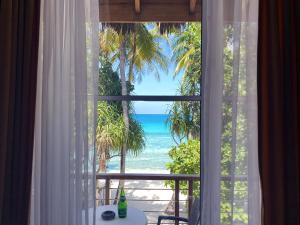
(150, 98)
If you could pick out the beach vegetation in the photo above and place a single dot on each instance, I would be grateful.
(185, 160)
(182, 123)
(110, 130)
(110, 134)
(184, 117)
(135, 49)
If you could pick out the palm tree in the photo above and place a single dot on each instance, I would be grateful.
(136, 48)
(187, 52)
(110, 134)
(184, 117)
(111, 129)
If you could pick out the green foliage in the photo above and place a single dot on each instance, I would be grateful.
(111, 134)
(187, 55)
(136, 137)
(234, 195)
(109, 81)
(184, 117)
(110, 128)
(186, 160)
(184, 120)
(143, 52)
(110, 131)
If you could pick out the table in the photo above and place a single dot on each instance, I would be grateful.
(134, 216)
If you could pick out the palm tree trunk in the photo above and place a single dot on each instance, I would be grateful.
(102, 161)
(125, 114)
(101, 169)
(130, 71)
(124, 103)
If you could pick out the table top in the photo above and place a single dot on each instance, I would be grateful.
(134, 216)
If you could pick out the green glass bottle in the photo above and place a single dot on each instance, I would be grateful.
(122, 205)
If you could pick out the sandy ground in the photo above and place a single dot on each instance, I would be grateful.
(149, 196)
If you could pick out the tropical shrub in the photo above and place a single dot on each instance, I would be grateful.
(186, 160)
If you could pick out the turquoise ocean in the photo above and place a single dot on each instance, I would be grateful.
(158, 142)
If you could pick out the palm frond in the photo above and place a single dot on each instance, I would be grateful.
(167, 28)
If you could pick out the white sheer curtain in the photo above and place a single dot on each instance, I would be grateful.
(63, 184)
(229, 161)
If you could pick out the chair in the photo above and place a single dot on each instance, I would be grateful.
(194, 216)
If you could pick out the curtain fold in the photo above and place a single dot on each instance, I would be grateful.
(19, 33)
(230, 185)
(63, 181)
(279, 110)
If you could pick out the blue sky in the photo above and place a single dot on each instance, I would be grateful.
(150, 86)
(167, 85)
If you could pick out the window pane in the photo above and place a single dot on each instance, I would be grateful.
(155, 128)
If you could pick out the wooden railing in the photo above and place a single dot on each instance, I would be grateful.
(153, 177)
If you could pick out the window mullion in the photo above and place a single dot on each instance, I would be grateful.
(149, 98)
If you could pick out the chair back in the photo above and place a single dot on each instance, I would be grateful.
(195, 212)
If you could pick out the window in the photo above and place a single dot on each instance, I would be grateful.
(161, 70)
(149, 87)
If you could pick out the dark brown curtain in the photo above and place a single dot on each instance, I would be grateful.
(19, 23)
(279, 112)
